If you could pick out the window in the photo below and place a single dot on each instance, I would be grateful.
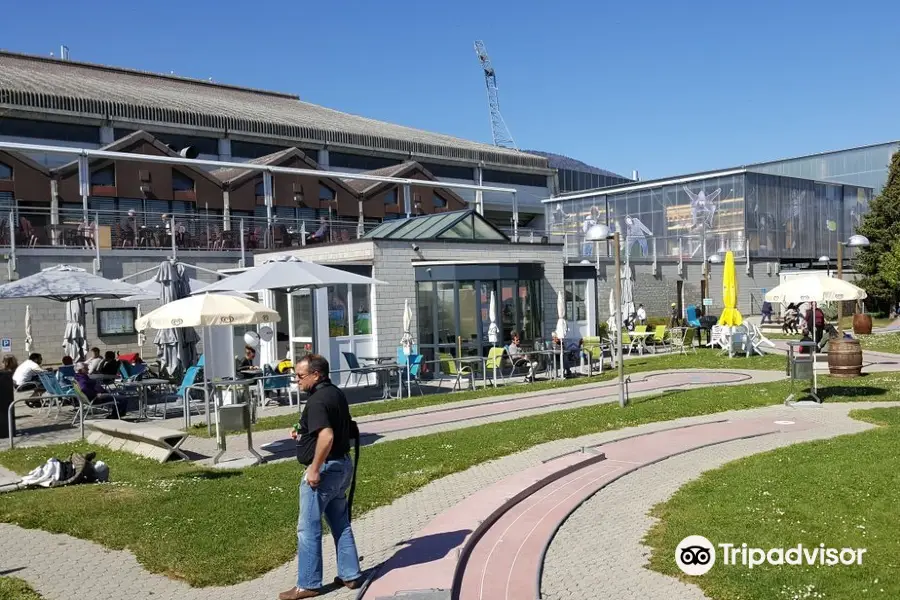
(104, 177)
(356, 161)
(576, 300)
(46, 130)
(6, 171)
(362, 313)
(241, 149)
(326, 194)
(391, 198)
(116, 321)
(181, 182)
(513, 178)
(439, 202)
(449, 171)
(303, 314)
(338, 315)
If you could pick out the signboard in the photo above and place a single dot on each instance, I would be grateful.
(707, 302)
(6, 345)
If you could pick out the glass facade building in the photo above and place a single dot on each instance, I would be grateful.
(866, 166)
(768, 215)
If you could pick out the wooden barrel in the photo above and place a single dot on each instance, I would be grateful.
(862, 324)
(844, 358)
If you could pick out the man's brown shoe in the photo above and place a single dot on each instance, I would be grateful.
(296, 593)
(350, 585)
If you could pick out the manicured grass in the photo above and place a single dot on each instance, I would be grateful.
(13, 588)
(705, 359)
(882, 342)
(217, 528)
(841, 492)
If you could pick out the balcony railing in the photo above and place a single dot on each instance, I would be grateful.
(33, 228)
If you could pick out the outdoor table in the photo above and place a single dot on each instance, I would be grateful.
(382, 371)
(142, 385)
(556, 370)
(471, 360)
(640, 340)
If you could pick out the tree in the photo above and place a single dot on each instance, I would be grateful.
(879, 263)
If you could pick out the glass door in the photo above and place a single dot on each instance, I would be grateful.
(301, 323)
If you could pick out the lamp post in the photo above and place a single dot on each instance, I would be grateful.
(713, 259)
(597, 234)
(855, 241)
(827, 260)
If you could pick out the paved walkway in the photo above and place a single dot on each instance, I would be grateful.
(597, 554)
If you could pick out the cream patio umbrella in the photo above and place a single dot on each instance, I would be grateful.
(562, 327)
(406, 342)
(29, 340)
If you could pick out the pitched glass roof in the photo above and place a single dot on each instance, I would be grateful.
(458, 225)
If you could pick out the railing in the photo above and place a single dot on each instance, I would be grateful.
(34, 228)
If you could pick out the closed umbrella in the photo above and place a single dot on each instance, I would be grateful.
(28, 339)
(142, 337)
(562, 328)
(627, 293)
(731, 316)
(74, 342)
(176, 346)
(406, 342)
(493, 330)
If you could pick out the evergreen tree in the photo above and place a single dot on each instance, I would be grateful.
(882, 226)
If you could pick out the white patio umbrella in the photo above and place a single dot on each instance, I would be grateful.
(493, 330)
(65, 282)
(627, 293)
(406, 342)
(142, 337)
(153, 289)
(176, 346)
(74, 342)
(29, 341)
(207, 310)
(288, 273)
(562, 328)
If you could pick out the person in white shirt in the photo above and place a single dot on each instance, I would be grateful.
(95, 360)
(641, 314)
(28, 370)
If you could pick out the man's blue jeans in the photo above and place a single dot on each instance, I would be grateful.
(327, 499)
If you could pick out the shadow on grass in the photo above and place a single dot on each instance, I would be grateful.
(850, 391)
(208, 475)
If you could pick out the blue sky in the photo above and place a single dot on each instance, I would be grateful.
(662, 87)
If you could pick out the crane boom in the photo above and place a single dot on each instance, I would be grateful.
(499, 130)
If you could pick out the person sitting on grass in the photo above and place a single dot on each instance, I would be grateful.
(94, 392)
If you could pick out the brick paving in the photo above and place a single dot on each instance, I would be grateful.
(55, 565)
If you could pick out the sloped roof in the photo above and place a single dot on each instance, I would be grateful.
(560, 161)
(78, 88)
(364, 186)
(463, 225)
(138, 136)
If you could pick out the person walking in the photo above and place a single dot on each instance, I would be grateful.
(766, 312)
(641, 315)
(323, 447)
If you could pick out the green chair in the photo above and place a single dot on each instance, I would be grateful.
(659, 336)
(448, 366)
(593, 349)
(493, 364)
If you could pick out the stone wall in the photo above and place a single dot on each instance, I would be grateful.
(49, 317)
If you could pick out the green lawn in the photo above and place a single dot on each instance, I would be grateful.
(841, 492)
(13, 588)
(217, 528)
(706, 359)
(883, 342)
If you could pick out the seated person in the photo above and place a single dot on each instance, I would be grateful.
(246, 367)
(320, 234)
(517, 356)
(26, 374)
(109, 365)
(94, 391)
(95, 360)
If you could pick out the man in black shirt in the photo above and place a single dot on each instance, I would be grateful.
(323, 447)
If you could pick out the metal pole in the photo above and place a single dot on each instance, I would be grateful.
(407, 200)
(267, 192)
(84, 185)
(515, 208)
(172, 235)
(705, 273)
(98, 270)
(243, 248)
(11, 265)
(620, 367)
(840, 275)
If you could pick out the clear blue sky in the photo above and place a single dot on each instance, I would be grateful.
(664, 87)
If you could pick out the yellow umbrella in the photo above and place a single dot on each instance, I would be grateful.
(730, 315)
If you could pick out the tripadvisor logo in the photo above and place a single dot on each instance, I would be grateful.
(696, 555)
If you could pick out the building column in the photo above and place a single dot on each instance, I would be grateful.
(323, 159)
(54, 211)
(107, 135)
(226, 211)
(224, 149)
(479, 195)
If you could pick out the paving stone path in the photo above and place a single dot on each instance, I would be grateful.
(55, 565)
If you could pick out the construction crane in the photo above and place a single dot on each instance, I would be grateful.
(502, 136)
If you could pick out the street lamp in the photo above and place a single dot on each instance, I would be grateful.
(597, 234)
(855, 241)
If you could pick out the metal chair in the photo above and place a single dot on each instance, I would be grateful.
(448, 365)
(356, 369)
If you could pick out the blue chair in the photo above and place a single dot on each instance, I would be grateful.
(185, 388)
(401, 356)
(692, 319)
(54, 391)
(355, 368)
(65, 373)
(415, 369)
(276, 382)
(201, 361)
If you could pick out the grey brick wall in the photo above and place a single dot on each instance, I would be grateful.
(49, 317)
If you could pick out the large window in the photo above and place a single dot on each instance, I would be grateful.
(104, 177)
(391, 198)
(349, 310)
(181, 182)
(362, 313)
(338, 313)
(576, 300)
(6, 171)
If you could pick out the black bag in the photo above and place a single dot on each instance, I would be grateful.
(354, 435)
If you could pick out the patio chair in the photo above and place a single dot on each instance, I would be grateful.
(684, 341)
(356, 369)
(692, 319)
(415, 371)
(448, 366)
(659, 336)
(757, 339)
(593, 350)
(65, 373)
(88, 406)
(494, 364)
(276, 382)
(54, 392)
(717, 337)
(627, 342)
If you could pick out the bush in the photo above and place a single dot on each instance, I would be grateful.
(656, 321)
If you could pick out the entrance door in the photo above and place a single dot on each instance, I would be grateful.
(301, 323)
